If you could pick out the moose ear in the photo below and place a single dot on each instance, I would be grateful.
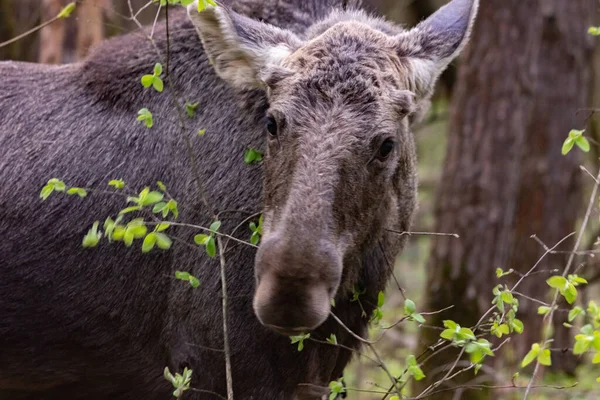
(242, 50)
(435, 42)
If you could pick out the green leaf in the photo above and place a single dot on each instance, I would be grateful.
(409, 307)
(184, 276)
(190, 109)
(418, 317)
(214, 227)
(252, 155)
(151, 198)
(149, 242)
(201, 239)
(567, 146)
(596, 359)
(46, 191)
(531, 355)
(158, 69)
(543, 310)
(507, 297)
(556, 282)
(117, 183)
(499, 272)
(517, 325)
(92, 238)
(447, 334)
(67, 10)
(211, 248)
(158, 84)
(194, 282)
(544, 357)
(78, 191)
(147, 80)
(254, 238)
(570, 293)
(163, 241)
(380, 299)
(128, 238)
(130, 209)
(201, 132)
(592, 30)
(332, 339)
(574, 313)
(583, 144)
(162, 227)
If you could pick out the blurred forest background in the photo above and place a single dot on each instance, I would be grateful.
(491, 171)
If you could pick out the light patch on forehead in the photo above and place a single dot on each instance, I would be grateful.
(276, 55)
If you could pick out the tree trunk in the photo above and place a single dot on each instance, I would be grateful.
(52, 36)
(90, 27)
(523, 79)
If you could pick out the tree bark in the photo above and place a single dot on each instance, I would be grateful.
(90, 27)
(523, 79)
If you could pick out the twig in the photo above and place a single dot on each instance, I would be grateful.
(455, 235)
(228, 375)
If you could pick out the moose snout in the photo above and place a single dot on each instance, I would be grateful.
(296, 283)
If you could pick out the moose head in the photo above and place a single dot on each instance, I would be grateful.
(340, 160)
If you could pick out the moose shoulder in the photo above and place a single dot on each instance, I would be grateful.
(330, 103)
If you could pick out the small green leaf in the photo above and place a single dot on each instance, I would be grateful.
(583, 144)
(574, 313)
(130, 209)
(194, 282)
(46, 191)
(254, 238)
(201, 132)
(592, 30)
(543, 310)
(158, 84)
(596, 359)
(117, 183)
(517, 325)
(418, 317)
(161, 186)
(147, 80)
(149, 242)
(567, 146)
(190, 109)
(211, 248)
(214, 227)
(67, 10)
(163, 241)
(162, 227)
(78, 191)
(570, 293)
(201, 239)
(556, 282)
(544, 357)
(184, 276)
(531, 355)
(507, 297)
(158, 69)
(332, 339)
(92, 238)
(380, 299)
(252, 155)
(409, 307)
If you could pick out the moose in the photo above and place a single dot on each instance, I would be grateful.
(327, 91)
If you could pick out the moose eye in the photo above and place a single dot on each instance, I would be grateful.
(386, 149)
(271, 126)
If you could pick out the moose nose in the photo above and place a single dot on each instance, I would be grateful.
(296, 283)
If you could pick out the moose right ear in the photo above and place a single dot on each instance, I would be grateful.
(242, 50)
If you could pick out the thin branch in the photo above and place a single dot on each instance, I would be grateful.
(226, 349)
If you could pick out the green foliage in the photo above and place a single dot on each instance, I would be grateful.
(78, 191)
(93, 236)
(190, 109)
(357, 292)
(566, 286)
(593, 30)
(208, 241)
(256, 231)
(377, 312)
(117, 183)
(202, 4)
(537, 352)
(181, 383)
(413, 368)
(300, 340)
(252, 156)
(409, 310)
(67, 10)
(336, 388)
(145, 116)
(201, 132)
(52, 186)
(186, 276)
(332, 339)
(154, 80)
(500, 273)
(575, 138)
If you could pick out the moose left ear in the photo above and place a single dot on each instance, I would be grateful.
(435, 42)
